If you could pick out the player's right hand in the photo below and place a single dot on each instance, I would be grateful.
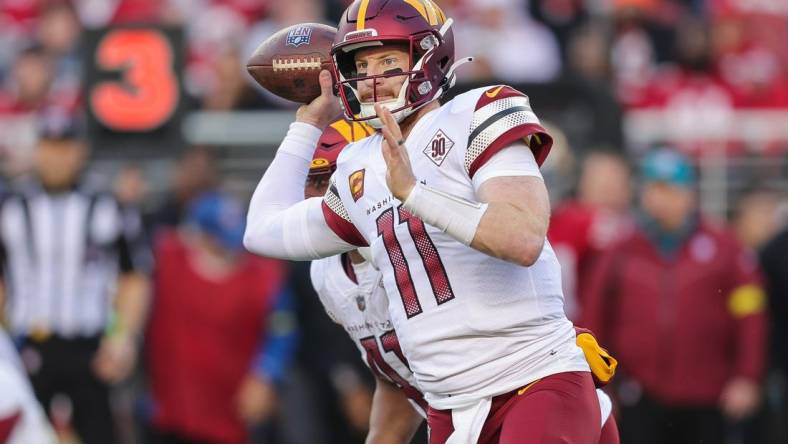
(324, 109)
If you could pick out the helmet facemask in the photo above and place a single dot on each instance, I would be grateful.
(416, 91)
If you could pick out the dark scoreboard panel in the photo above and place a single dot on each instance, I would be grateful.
(133, 90)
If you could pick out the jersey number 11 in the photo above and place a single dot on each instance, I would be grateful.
(436, 273)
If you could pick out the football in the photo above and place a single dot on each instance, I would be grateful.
(288, 63)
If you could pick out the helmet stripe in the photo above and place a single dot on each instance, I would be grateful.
(344, 129)
(431, 10)
(441, 15)
(420, 8)
(360, 131)
(362, 15)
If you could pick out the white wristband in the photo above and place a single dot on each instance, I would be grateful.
(457, 217)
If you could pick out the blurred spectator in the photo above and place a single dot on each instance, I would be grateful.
(588, 54)
(194, 174)
(47, 71)
(68, 259)
(130, 187)
(507, 44)
(221, 331)
(633, 57)
(212, 29)
(296, 11)
(748, 60)
(756, 219)
(99, 13)
(756, 222)
(59, 34)
(561, 16)
(229, 88)
(22, 421)
(679, 304)
(698, 105)
(17, 20)
(58, 28)
(605, 182)
(774, 262)
(30, 82)
(581, 228)
(560, 168)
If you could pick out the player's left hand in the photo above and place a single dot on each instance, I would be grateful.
(399, 174)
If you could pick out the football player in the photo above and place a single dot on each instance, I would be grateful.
(350, 290)
(451, 201)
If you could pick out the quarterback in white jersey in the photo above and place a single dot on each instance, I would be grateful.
(451, 202)
(351, 292)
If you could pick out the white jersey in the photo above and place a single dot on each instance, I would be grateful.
(357, 302)
(470, 325)
(361, 308)
(19, 410)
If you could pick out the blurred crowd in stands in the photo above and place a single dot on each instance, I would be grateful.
(650, 53)
(238, 349)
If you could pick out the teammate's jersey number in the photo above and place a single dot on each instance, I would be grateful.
(433, 266)
(382, 369)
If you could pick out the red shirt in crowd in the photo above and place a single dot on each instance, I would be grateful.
(682, 326)
(578, 233)
(202, 339)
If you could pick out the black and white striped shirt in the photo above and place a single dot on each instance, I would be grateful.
(61, 256)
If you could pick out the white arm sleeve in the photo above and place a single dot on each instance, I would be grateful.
(516, 159)
(280, 223)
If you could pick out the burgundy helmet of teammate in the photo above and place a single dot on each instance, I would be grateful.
(334, 139)
(421, 27)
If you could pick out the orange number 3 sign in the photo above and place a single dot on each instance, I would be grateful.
(148, 94)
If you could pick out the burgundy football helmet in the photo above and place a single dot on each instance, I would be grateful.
(334, 139)
(419, 25)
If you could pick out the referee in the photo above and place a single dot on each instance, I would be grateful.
(74, 291)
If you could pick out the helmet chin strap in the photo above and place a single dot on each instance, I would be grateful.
(368, 109)
(451, 76)
(446, 25)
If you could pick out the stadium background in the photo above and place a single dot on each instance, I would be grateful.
(707, 77)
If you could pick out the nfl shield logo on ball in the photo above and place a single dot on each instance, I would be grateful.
(299, 36)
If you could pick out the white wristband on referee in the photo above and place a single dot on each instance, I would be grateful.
(453, 215)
